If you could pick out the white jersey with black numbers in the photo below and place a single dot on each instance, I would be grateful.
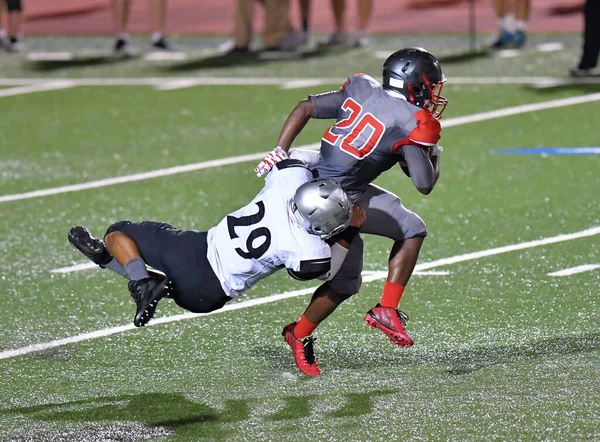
(261, 238)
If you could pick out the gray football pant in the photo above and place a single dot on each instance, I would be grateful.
(387, 217)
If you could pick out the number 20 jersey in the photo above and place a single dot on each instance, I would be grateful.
(372, 126)
(261, 238)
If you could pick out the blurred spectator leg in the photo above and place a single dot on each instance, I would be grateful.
(591, 42)
(522, 15)
(507, 25)
(279, 35)
(339, 36)
(365, 9)
(158, 23)
(305, 6)
(14, 18)
(242, 34)
(2, 30)
(120, 9)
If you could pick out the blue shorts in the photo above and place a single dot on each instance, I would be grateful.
(181, 255)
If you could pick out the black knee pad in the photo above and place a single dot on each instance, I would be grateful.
(118, 227)
(14, 5)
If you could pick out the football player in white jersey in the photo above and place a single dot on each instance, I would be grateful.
(285, 225)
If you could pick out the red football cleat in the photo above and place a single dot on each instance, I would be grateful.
(304, 353)
(391, 321)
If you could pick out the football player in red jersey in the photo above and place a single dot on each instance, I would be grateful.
(378, 125)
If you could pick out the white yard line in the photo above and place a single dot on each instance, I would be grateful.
(141, 176)
(431, 273)
(521, 109)
(508, 53)
(165, 56)
(254, 81)
(511, 248)
(515, 110)
(550, 47)
(49, 56)
(575, 270)
(40, 87)
(369, 277)
(177, 84)
(297, 84)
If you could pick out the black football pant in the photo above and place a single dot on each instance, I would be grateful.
(181, 255)
(591, 35)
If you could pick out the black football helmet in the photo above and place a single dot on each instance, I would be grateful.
(416, 74)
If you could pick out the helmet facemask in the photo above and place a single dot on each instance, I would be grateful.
(436, 104)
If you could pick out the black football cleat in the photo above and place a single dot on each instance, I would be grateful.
(146, 293)
(93, 248)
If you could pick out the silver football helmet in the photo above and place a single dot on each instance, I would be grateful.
(321, 207)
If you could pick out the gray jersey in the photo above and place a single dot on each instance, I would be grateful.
(375, 129)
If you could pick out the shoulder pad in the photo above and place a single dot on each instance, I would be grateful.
(360, 77)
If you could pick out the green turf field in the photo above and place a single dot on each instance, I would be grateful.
(503, 351)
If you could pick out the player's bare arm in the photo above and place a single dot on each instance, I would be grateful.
(322, 106)
(295, 122)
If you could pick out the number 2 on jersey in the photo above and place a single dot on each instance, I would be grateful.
(253, 252)
(367, 120)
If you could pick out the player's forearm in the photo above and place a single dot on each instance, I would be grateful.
(294, 124)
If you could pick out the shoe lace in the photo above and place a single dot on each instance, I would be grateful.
(136, 293)
(402, 316)
(309, 350)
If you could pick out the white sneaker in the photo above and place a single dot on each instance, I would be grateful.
(226, 46)
(16, 47)
(293, 40)
(337, 38)
(585, 73)
(361, 40)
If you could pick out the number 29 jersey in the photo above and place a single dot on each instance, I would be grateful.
(261, 238)
(373, 124)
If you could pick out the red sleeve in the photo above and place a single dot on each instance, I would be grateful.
(428, 129)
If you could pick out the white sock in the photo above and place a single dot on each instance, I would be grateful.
(123, 36)
(156, 36)
(521, 25)
(508, 23)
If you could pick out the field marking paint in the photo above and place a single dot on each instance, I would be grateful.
(49, 56)
(40, 87)
(575, 270)
(550, 47)
(521, 109)
(515, 110)
(90, 265)
(142, 176)
(545, 151)
(298, 84)
(508, 53)
(431, 273)
(555, 82)
(275, 81)
(510, 248)
(369, 277)
(165, 56)
(176, 84)
(75, 268)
